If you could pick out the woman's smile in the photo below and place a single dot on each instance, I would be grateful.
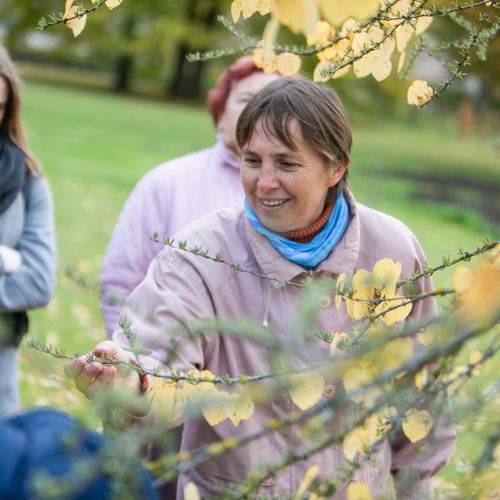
(272, 204)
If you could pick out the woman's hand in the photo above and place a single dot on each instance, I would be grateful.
(94, 378)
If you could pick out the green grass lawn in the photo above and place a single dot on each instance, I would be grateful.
(94, 147)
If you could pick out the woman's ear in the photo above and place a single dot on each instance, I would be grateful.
(335, 174)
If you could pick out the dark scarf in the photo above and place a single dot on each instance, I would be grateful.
(12, 172)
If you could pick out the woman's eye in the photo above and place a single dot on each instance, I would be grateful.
(286, 165)
(251, 162)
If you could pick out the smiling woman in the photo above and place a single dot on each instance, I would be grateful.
(299, 222)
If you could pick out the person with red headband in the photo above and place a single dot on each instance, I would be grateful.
(179, 191)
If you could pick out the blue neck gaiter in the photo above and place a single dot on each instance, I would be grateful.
(307, 255)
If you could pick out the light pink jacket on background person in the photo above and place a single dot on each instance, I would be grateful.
(167, 198)
(183, 288)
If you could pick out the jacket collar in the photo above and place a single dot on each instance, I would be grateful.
(224, 156)
(343, 257)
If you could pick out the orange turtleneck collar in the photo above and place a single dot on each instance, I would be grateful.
(308, 233)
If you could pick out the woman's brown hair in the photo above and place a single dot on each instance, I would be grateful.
(11, 124)
(317, 109)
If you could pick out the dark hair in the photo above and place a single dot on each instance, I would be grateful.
(317, 109)
(11, 123)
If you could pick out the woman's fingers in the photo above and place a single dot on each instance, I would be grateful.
(92, 378)
(87, 377)
(74, 368)
(101, 382)
(110, 350)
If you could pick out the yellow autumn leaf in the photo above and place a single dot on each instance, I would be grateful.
(353, 444)
(337, 11)
(402, 309)
(478, 302)
(336, 338)
(349, 28)
(357, 441)
(265, 60)
(167, 401)
(357, 377)
(319, 78)
(239, 408)
(403, 35)
(249, 7)
(462, 279)
(362, 289)
(323, 32)
(198, 391)
(339, 288)
(387, 47)
(343, 48)
(264, 7)
(335, 55)
(112, 4)
(394, 353)
(76, 24)
(417, 424)
(381, 66)
(423, 22)
(419, 93)
(386, 273)
(340, 72)
(309, 477)
(363, 67)
(421, 378)
(236, 10)
(191, 492)
(400, 8)
(358, 491)
(307, 388)
(301, 16)
(215, 410)
(288, 64)
(360, 43)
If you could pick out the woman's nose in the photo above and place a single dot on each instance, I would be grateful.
(267, 180)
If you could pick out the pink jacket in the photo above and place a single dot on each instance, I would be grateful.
(182, 288)
(166, 199)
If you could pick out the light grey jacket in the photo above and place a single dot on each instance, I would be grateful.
(183, 288)
(28, 227)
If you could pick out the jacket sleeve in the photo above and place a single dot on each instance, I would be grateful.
(414, 464)
(130, 250)
(162, 317)
(32, 284)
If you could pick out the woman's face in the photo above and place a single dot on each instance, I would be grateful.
(238, 98)
(4, 95)
(287, 189)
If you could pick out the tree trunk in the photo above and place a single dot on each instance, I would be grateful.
(186, 80)
(124, 61)
(187, 77)
(123, 72)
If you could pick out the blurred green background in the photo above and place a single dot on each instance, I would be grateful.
(103, 109)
